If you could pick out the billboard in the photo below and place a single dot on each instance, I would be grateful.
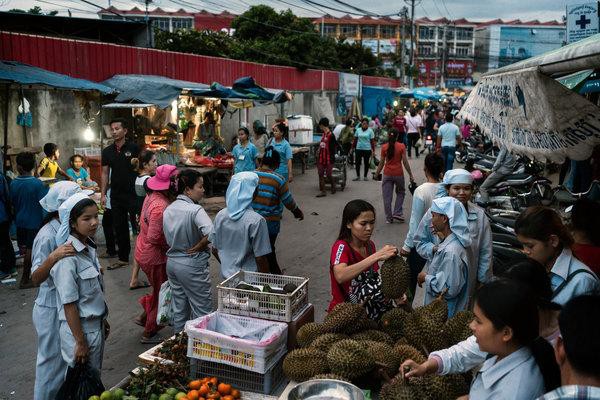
(520, 42)
(582, 21)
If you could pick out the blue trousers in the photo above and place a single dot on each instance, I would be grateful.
(50, 366)
(448, 153)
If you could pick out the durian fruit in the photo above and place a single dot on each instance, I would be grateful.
(325, 341)
(437, 310)
(424, 333)
(457, 328)
(362, 324)
(330, 376)
(459, 385)
(439, 388)
(350, 359)
(398, 390)
(372, 334)
(303, 364)
(392, 322)
(408, 352)
(400, 341)
(395, 277)
(345, 318)
(384, 354)
(307, 333)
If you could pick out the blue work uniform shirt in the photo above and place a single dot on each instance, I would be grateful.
(244, 157)
(43, 245)
(448, 132)
(285, 153)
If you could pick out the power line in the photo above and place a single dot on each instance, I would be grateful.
(65, 5)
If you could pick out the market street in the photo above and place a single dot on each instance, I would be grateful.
(302, 248)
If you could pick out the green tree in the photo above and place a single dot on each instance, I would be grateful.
(37, 10)
(208, 43)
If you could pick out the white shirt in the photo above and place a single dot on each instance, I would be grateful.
(413, 123)
(579, 284)
(421, 202)
(43, 245)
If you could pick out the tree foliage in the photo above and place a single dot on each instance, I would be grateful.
(37, 10)
(264, 35)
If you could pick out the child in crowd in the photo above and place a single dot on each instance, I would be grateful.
(49, 167)
(244, 153)
(447, 272)
(240, 235)
(25, 193)
(79, 285)
(79, 174)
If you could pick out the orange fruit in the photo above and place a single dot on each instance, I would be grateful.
(195, 384)
(224, 388)
(236, 393)
(228, 397)
(204, 389)
(193, 395)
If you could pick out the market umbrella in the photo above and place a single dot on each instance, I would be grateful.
(535, 115)
(420, 94)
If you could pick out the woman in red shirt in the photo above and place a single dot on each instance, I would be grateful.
(151, 246)
(585, 227)
(353, 267)
(393, 156)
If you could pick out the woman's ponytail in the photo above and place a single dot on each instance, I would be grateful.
(544, 357)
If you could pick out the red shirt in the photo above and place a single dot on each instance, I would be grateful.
(342, 253)
(589, 255)
(399, 123)
(393, 167)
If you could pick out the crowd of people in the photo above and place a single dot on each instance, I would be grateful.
(548, 301)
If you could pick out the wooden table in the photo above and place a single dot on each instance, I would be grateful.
(301, 153)
(310, 155)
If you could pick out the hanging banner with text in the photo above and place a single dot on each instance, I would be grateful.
(349, 88)
(534, 115)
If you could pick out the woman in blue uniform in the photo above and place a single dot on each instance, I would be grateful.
(284, 149)
(548, 241)
(45, 254)
(458, 183)
(80, 290)
(519, 365)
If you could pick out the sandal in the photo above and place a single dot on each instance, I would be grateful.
(154, 339)
(142, 285)
(117, 265)
(140, 322)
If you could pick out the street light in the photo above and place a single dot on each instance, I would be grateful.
(88, 134)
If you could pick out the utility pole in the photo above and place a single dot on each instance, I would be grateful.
(148, 27)
(412, 4)
(443, 56)
(404, 20)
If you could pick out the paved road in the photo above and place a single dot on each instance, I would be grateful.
(303, 250)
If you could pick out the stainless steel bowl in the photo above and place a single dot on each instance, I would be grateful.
(325, 389)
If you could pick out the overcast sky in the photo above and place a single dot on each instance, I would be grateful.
(472, 9)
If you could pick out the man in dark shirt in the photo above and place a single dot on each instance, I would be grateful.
(117, 158)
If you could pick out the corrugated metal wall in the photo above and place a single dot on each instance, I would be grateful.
(100, 61)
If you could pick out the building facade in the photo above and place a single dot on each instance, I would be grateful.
(445, 52)
(499, 43)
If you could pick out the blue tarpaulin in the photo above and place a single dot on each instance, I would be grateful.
(150, 89)
(420, 94)
(244, 88)
(375, 98)
(16, 72)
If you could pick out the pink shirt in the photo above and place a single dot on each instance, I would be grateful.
(151, 246)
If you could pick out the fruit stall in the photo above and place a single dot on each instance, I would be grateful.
(263, 343)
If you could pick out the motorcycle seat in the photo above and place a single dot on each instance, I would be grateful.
(506, 221)
(517, 177)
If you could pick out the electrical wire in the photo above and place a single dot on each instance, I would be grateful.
(68, 8)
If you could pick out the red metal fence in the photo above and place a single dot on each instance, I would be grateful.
(99, 61)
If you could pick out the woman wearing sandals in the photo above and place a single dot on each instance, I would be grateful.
(151, 246)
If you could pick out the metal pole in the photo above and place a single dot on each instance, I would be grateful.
(443, 56)
(148, 30)
(7, 99)
(322, 26)
(402, 28)
(24, 127)
(412, 39)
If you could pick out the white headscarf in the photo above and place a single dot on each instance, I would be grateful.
(457, 217)
(64, 214)
(457, 176)
(58, 193)
(240, 193)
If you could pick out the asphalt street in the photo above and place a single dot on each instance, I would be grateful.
(303, 249)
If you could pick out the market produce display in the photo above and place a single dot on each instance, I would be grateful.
(395, 277)
(360, 351)
(174, 349)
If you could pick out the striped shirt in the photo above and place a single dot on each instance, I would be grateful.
(573, 392)
(273, 191)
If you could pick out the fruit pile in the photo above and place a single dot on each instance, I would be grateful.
(362, 351)
(175, 349)
(200, 389)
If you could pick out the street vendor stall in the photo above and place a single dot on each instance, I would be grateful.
(523, 107)
(181, 120)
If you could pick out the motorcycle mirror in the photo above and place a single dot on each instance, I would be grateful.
(569, 209)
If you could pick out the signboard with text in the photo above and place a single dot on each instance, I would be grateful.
(582, 21)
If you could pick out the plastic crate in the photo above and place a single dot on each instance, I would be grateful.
(241, 379)
(149, 357)
(300, 136)
(271, 306)
(248, 343)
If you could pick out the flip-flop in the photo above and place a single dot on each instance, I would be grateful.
(139, 322)
(156, 339)
(140, 286)
(116, 266)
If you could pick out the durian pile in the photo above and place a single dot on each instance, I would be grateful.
(349, 346)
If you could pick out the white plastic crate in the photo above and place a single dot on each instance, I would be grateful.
(300, 123)
(248, 343)
(300, 137)
(271, 306)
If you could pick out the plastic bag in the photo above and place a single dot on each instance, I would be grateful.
(164, 316)
(82, 382)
